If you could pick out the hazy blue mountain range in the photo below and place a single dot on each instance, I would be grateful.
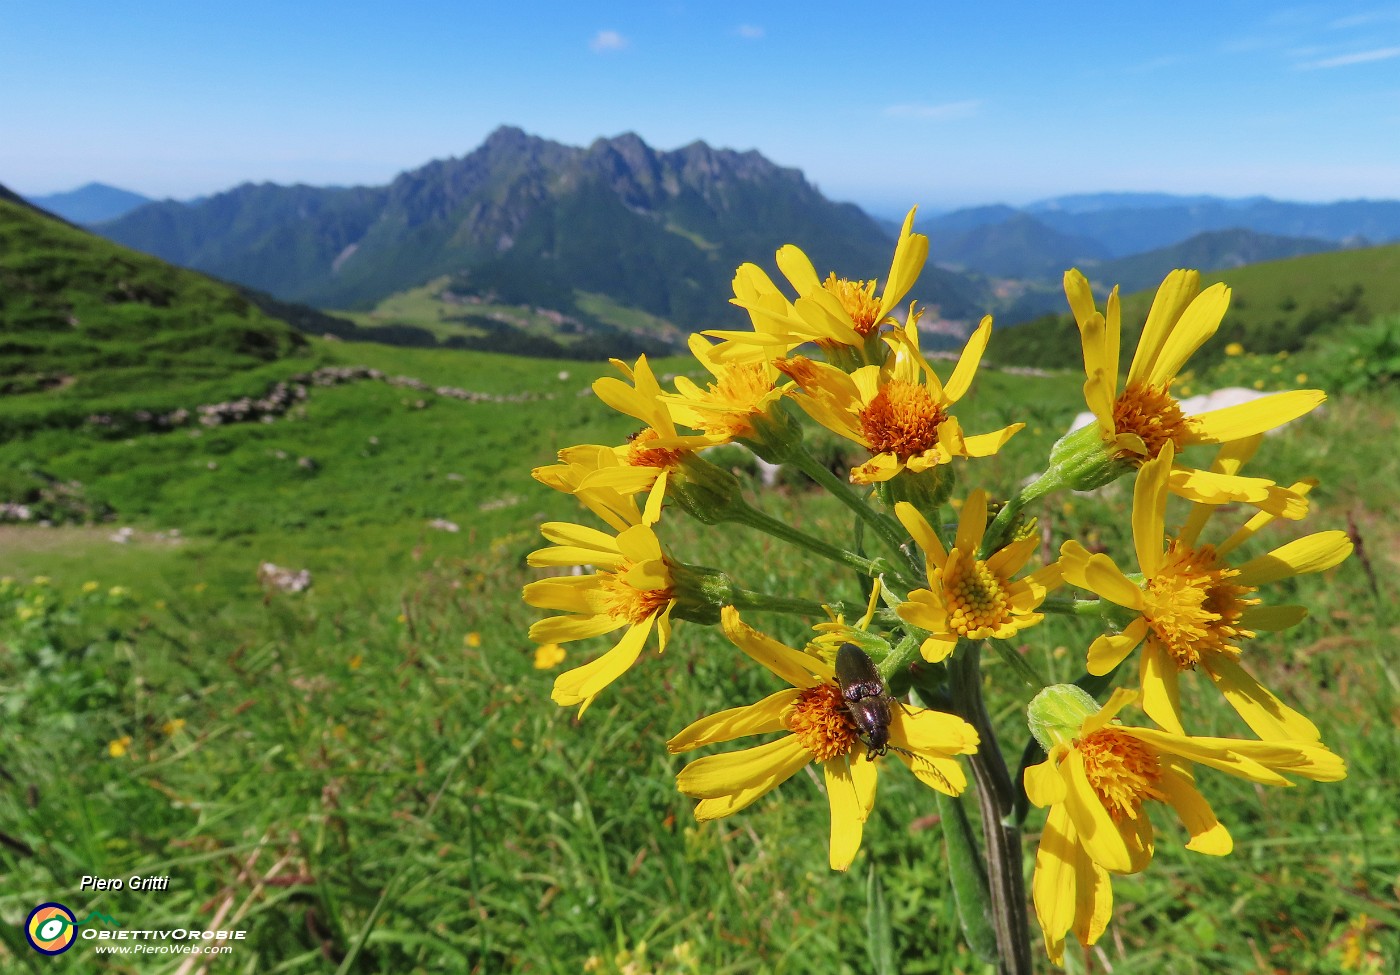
(1214, 250)
(1124, 224)
(526, 220)
(1018, 247)
(92, 203)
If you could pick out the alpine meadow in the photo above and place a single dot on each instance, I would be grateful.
(618, 560)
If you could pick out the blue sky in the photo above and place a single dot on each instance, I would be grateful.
(944, 104)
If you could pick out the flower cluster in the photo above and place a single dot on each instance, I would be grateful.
(953, 573)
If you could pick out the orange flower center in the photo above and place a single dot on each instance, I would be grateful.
(1153, 414)
(822, 723)
(858, 299)
(902, 419)
(623, 601)
(1122, 770)
(640, 455)
(1192, 609)
(977, 601)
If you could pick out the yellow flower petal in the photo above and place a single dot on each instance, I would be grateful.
(972, 524)
(1312, 553)
(1044, 784)
(797, 668)
(921, 531)
(752, 719)
(1110, 649)
(1208, 836)
(797, 268)
(937, 648)
(1272, 618)
(1266, 715)
(1192, 330)
(1103, 839)
(582, 684)
(910, 255)
(847, 812)
(1256, 416)
(566, 629)
(1098, 573)
(1161, 688)
(1150, 509)
(762, 767)
(961, 380)
(1176, 292)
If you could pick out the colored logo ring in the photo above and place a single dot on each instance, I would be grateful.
(43, 920)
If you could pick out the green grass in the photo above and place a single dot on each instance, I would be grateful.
(364, 789)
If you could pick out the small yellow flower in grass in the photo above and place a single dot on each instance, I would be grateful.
(605, 478)
(969, 597)
(899, 411)
(548, 656)
(91, 587)
(1194, 608)
(171, 727)
(1134, 424)
(632, 589)
(1099, 781)
(118, 747)
(356, 662)
(472, 640)
(819, 729)
(1234, 349)
(835, 312)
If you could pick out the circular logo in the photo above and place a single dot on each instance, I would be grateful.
(50, 929)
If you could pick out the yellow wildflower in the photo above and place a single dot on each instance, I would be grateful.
(631, 588)
(832, 312)
(548, 656)
(171, 727)
(472, 640)
(605, 478)
(1194, 608)
(742, 394)
(899, 411)
(118, 747)
(819, 728)
(969, 597)
(1135, 423)
(1098, 781)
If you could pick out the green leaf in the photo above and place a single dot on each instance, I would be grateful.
(878, 931)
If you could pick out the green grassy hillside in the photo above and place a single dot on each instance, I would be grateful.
(90, 323)
(1278, 306)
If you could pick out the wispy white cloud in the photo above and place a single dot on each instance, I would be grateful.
(607, 40)
(750, 32)
(1360, 57)
(937, 113)
(1365, 19)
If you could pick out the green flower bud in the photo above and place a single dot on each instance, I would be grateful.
(925, 490)
(1079, 461)
(1056, 714)
(700, 592)
(776, 432)
(709, 494)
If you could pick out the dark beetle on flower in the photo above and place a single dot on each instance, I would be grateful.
(867, 700)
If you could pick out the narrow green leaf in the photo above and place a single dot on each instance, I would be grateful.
(879, 933)
(969, 878)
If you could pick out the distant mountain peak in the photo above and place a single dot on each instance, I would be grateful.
(91, 203)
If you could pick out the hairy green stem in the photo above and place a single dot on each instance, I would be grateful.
(754, 518)
(886, 529)
(763, 602)
(996, 796)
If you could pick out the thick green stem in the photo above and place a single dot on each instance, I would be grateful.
(996, 796)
